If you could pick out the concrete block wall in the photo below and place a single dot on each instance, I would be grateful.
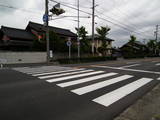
(23, 57)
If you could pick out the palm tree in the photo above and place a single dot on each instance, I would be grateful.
(102, 33)
(83, 34)
(152, 46)
(132, 39)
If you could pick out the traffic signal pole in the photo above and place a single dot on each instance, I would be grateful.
(47, 31)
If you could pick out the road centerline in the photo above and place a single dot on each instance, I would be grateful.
(127, 69)
(127, 66)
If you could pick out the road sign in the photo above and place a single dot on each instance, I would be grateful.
(45, 18)
(69, 43)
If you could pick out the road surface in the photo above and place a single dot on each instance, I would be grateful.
(98, 91)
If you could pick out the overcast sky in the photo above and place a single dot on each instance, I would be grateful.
(139, 16)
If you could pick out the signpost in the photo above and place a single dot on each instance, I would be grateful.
(45, 18)
(69, 43)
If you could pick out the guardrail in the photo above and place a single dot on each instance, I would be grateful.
(2, 62)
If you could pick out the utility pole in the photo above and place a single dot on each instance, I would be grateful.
(47, 30)
(78, 40)
(93, 23)
(156, 33)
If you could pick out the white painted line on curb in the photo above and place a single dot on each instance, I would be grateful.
(118, 94)
(73, 76)
(158, 64)
(63, 74)
(133, 70)
(129, 66)
(93, 87)
(75, 82)
(57, 72)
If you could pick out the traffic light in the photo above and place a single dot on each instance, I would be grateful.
(57, 10)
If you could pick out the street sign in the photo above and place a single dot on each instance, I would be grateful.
(69, 43)
(45, 18)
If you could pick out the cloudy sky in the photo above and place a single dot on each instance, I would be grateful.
(124, 17)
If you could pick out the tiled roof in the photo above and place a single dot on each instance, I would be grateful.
(40, 27)
(17, 33)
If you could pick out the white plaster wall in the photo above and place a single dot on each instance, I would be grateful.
(22, 57)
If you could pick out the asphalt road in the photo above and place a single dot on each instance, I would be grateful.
(98, 91)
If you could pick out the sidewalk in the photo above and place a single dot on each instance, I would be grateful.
(119, 60)
(144, 109)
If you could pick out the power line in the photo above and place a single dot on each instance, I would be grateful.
(21, 9)
(121, 26)
(120, 22)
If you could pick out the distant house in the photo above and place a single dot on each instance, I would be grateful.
(134, 49)
(13, 38)
(39, 31)
(98, 43)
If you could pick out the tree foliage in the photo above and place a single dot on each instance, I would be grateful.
(57, 44)
(102, 33)
(132, 39)
(85, 43)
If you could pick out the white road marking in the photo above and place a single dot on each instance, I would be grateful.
(131, 62)
(75, 82)
(90, 88)
(134, 70)
(118, 94)
(158, 78)
(154, 61)
(158, 64)
(63, 74)
(74, 76)
(129, 66)
(56, 72)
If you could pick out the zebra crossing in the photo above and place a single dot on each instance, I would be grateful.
(96, 79)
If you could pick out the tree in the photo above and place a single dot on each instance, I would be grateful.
(57, 44)
(102, 33)
(132, 39)
(152, 45)
(83, 39)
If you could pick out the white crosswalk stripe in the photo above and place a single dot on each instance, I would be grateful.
(118, 94)
(66, 84)
(101, 80)
(48, 73)
(40, 69)
(63, 74)
(90, 88)
(158, 64)
(74, 76)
